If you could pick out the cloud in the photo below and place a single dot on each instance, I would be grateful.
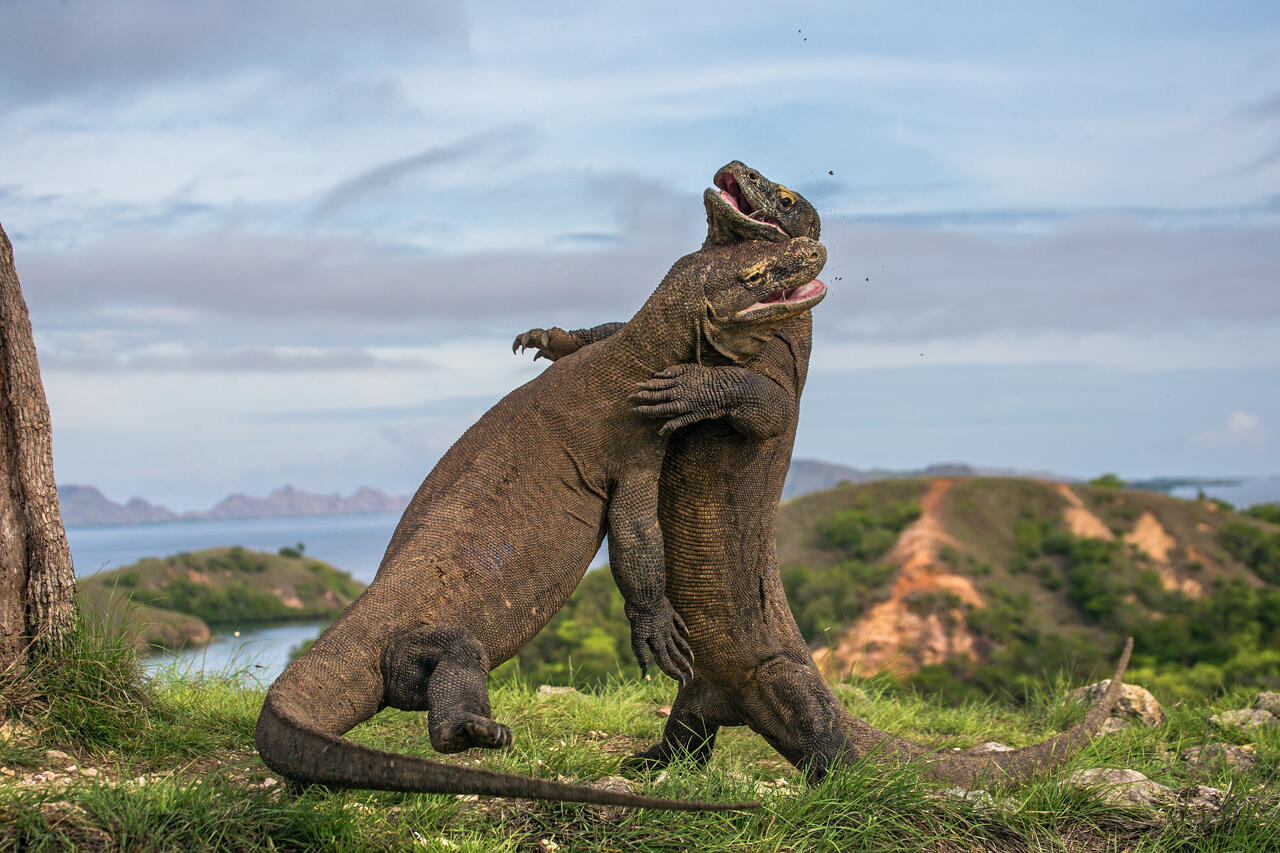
(888, 284)
(102, 357)
(108, 48)
(1241, 429)
(505, 141)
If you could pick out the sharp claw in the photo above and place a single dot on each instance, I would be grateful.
(538, 355)
(546, 341)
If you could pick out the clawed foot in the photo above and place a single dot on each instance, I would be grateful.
(472, 732)
(662, 630)
(550, 344)
(681, 395)
(645, 761)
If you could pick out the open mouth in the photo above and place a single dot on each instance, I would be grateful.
(731, 192)
(801, 296)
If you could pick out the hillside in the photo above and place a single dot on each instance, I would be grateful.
(995, 580)
(981, 584)
(174, 601)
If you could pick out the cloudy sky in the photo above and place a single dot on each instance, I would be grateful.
(269, 242)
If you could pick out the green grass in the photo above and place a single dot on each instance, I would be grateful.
(196, 736)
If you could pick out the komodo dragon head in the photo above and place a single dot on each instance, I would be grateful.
(745, 205)
(769, 285)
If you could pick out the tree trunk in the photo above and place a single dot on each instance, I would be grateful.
(37, 582)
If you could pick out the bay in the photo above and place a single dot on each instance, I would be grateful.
(1248, 492)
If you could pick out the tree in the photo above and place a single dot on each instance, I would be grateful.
(37, 582)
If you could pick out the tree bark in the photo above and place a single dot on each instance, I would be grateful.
(37, 581)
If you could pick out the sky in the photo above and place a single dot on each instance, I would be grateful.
(277, 242)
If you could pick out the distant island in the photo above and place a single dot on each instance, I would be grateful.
(86, 506)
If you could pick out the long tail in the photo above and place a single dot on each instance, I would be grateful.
(302, 753)
(1020, 765)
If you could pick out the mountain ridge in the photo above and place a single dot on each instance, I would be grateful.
(86, 506)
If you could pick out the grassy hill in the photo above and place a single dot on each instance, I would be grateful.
(175, 601)
(970, 585)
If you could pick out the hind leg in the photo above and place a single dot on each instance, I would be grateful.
(443, 670)
(697, 713)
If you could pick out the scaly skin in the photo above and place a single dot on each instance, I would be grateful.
(721, 483)
(501, 532)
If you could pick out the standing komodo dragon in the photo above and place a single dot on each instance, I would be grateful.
(501, 532)
(721, 483)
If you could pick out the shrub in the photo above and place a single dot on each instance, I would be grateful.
(1265, 512)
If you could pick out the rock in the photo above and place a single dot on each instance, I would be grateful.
(618, 785)
(1111, 725)
(989, 746)
(1202, 799)
(662, 711)
(552, 690)
(46, 778)
(1213, 754)
(1245, 719)
(1268, 701)
(13, 731)
(613, 783)
(57, 756)
(777, 786)
(1135, 702)
(1120, 787)
(546, 845)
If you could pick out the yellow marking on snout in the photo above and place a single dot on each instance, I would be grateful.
(754, 271)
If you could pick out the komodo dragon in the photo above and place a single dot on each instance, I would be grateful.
(503, 529)
(721, 483)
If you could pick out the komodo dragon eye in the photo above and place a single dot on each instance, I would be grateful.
(788, 197)
(751, 277)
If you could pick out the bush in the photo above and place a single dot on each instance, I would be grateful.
(827, 600)
(1265, 512)
(865, 532)
(1255, 547)
(1107, 481)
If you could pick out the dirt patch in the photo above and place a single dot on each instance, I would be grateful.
(894, 635)
(196, 576)
(1150, 537)
(1079, 520)
(289, 599)
(1196, 555)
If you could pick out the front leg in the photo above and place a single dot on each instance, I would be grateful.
(639, 569)
(754, 405)
(555, 343)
